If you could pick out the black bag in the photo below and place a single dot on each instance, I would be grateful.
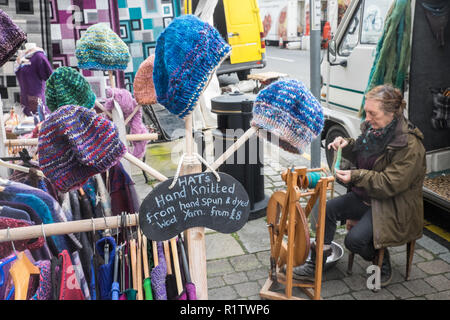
(441, 108)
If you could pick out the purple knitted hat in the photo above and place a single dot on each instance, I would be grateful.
(11, 38)
(75, 144)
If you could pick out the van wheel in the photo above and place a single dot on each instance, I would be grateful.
(242, 75)
(334, 132)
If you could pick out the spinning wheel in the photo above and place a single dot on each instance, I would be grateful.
(289, 231)
(301, 238)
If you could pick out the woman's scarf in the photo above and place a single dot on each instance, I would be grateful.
(373, 141)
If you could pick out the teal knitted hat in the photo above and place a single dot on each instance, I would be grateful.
(66, 86)
(100, 48)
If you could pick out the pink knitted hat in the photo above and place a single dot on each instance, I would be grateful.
(144, 89)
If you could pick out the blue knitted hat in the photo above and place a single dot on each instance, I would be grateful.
(100, 48)
(187, 54)
(287, 110)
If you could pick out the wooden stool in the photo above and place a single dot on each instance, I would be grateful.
(380, 255)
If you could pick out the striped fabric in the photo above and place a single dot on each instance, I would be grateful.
(67, 86)
(100, 48)
(289, 114)
(74, 144)
(187, 54)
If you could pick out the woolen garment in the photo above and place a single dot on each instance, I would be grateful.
(143, 86)
(20, 245)
(128, 105)
(11, 38)
(75, 144)
(32, 78)
(100, 48)
(44, 290)
(67, 86)
(394, 186)
(187, 54)
(49, 246)
(287, 111)
(69, 287)
(122, 191)
(106, 270)
(9, 212)
(158, 275)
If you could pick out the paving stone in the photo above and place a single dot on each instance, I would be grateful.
(342, 297)
(223, 293)
(247, 289)
(424, 254)
(400, 291)
(255, 236)
(382, 294)
(258, 274)
(440, 282)
(447, 275)
(264, 257)
(333, 288)
(444, 295)
(356, 282)
(215, 282)
(220, 245)
(431, 245)
(333, 274)
(419, 287)
(415, 273)
(445, 257)
(399, 259)
(434, 267)
(218, 267)
(235, 277)
(245, 262)
(256, 297)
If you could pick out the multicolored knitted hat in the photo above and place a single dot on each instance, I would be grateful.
(11, 38)
(144, 88)
(74, 144)
(290, 113)
(187, 54)
(100, 48)
(67, 86)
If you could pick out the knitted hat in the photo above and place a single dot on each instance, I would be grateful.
(74, 144)
(144, 88)
(11, 38)
(187, 54)
(287, 110)
(100, 48)
(67, 86)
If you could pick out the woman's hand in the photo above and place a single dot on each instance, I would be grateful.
(338, 142)
(344, 175)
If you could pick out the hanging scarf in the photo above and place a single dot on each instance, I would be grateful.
(393, 50)
(373, 141)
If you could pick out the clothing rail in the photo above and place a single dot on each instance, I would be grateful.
(61, 228)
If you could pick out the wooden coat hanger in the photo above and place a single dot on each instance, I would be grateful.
(20, 272)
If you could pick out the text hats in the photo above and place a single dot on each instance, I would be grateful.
(74, 144)
(187, 53)
(287, 110)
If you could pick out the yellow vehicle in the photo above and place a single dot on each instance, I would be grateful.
(239, 23)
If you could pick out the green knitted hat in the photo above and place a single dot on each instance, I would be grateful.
(100, 48)
(66, 86)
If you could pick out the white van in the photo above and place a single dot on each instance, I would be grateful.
(346, 69)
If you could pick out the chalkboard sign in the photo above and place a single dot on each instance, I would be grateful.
(196, 200)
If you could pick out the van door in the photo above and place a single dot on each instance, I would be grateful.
(243, 29)
(356, 44)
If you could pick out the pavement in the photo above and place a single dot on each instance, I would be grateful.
(238, 264)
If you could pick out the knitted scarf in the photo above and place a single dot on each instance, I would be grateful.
(373, 141)
(393, 50)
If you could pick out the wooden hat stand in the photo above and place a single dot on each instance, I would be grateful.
(286, 217)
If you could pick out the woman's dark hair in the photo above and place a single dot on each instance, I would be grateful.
(390, 97)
